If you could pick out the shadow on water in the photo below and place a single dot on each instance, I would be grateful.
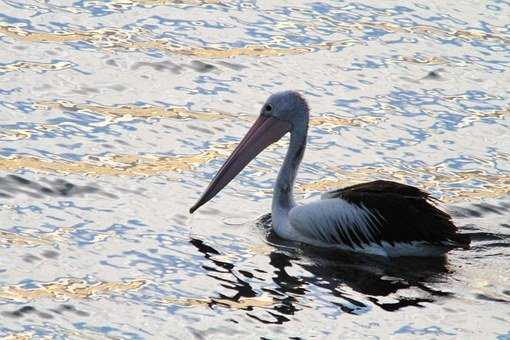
(354, 283)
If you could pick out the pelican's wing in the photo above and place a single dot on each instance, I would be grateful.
(375, 212)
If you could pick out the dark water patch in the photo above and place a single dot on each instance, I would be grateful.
(111, 62)
(215, 332)
(72, 309)
(470, 227)
(242, 288)
(278, 319)
(478, 210)
(118, 87)
(201, 67)
(490, 208)
(26, 310)
(29, 258)
(200, 129)
(375, 276)
(431, 331)
(204, 248)
(404, 302)
(233, 66)
(377, 279)
(67, 308)
(211, 211)
(490, 298)
(12, 185)
(44, 315)
(159, 66)
(483, 242)
(434, 75)
(140, 191)
(246, 274)
(485, 236)
(196, 65)
(50, 254)
(499, 244)
(86, 90)
(464, 212)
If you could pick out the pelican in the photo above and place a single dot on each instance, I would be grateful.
(380, 217)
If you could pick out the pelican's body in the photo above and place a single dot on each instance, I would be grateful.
(382, 217)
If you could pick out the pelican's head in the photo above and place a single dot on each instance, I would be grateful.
(287, 106)
(282, 112)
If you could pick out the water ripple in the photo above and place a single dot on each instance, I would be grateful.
(117, 113)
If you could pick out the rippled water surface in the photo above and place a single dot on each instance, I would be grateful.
(114, 115)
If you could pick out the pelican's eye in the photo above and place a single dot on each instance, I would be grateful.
(269, 108)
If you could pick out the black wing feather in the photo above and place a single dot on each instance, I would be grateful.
(404, 213)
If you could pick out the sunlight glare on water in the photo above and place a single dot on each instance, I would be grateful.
(115, 115)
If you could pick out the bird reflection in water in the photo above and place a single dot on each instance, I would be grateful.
(356, 283)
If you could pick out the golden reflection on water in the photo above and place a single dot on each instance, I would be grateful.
(123, 4)
(26, 239)
(35, 66)
(126, 111)
(423, 60)
(430, 31)
(243, 303)
(18, 134)
(8, 238)
(69, 288)
(129, 165)
(455, 184)
(431, 178)
(14, 134)
(220, 53)
(118, 38)
(130, 40)
(148, 165)
(150, 111)
(28, 335)
(20, 34)
(474, 116)
(20, 336)
(328, 121)
(259, 249)
(496, 113)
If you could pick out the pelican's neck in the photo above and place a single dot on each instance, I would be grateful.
(283, 197)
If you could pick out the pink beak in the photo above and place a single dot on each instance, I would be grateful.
(264, 132)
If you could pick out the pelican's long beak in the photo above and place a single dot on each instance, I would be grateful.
(264, 132)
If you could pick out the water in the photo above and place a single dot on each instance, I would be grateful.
(115, 115)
